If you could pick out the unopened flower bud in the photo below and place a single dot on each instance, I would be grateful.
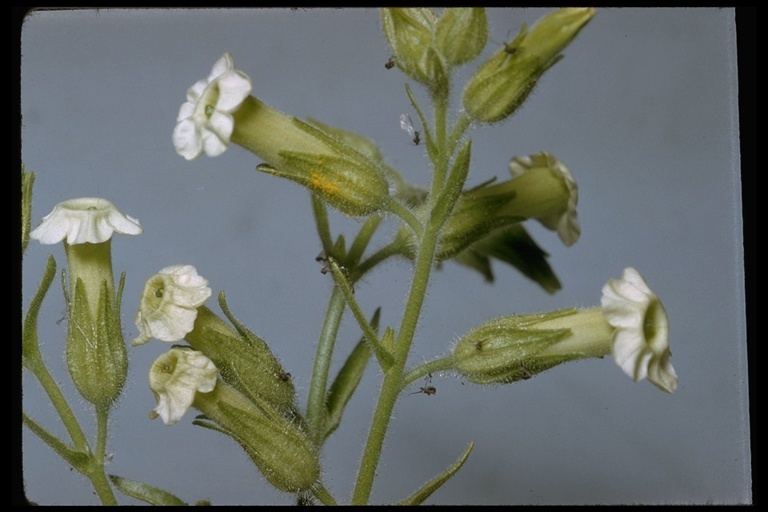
(409, 32)
(461, 34)
(506, 79)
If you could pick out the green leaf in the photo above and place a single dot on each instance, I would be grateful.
(30, 350)
(427, 489)
(347, 380)
(27, 181)
(75, 458)
(514, 246)
(145, 492)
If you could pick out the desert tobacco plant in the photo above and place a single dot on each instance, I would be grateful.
(233, 380)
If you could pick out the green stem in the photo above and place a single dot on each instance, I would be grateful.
(429, 237)
(441, 165)
(361, 240)
(374, 259)
(321, 221)
(394, 206)
(437, 365)
(102, 416)
(96, 474)
(38, 369)
(318, 385)
(393, 378)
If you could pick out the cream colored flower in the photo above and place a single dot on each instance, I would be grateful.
(640, 343)
(175, 377)
(169, 303)
(84, 220)
(564, 222)
(205, 122)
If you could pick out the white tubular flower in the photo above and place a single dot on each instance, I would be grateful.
(175, 377)
(564, 222)
(84, 220)
(169, 303)
(205, 122)
(640, 343)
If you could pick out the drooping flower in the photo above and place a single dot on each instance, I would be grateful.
(205, 122)
(640, 341)
(84, 220)
(169, 303)
(565, 222)
(175, 377)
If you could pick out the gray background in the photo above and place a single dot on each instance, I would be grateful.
(643, 110)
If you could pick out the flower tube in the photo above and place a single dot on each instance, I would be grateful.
(632, 325)
(96, 355)
(220, 110)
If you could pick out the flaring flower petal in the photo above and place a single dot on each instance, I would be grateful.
(234, 87)
(84, 220)
(186, 139)
(169, 303)
(640, 343)
(204, 123)
(566, 224)
(176, 377)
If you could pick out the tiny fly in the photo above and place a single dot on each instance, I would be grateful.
(407, 125)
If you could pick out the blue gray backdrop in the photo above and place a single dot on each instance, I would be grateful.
(643, 110)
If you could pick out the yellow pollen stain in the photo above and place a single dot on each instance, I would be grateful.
(323, 184)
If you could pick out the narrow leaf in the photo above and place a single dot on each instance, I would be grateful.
(347, 380)
(145, 492)
(74, 458)
(29, 342)
(427, 489)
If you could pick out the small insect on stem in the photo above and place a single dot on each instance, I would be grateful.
(407, 125)
(428, 390)
(322, 258)
(510, 49)
(390, 63)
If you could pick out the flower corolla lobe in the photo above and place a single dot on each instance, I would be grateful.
(566, 222)
(205, 122)
(84, 220)
(640, 343)
(175, 377)
(169, 302)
